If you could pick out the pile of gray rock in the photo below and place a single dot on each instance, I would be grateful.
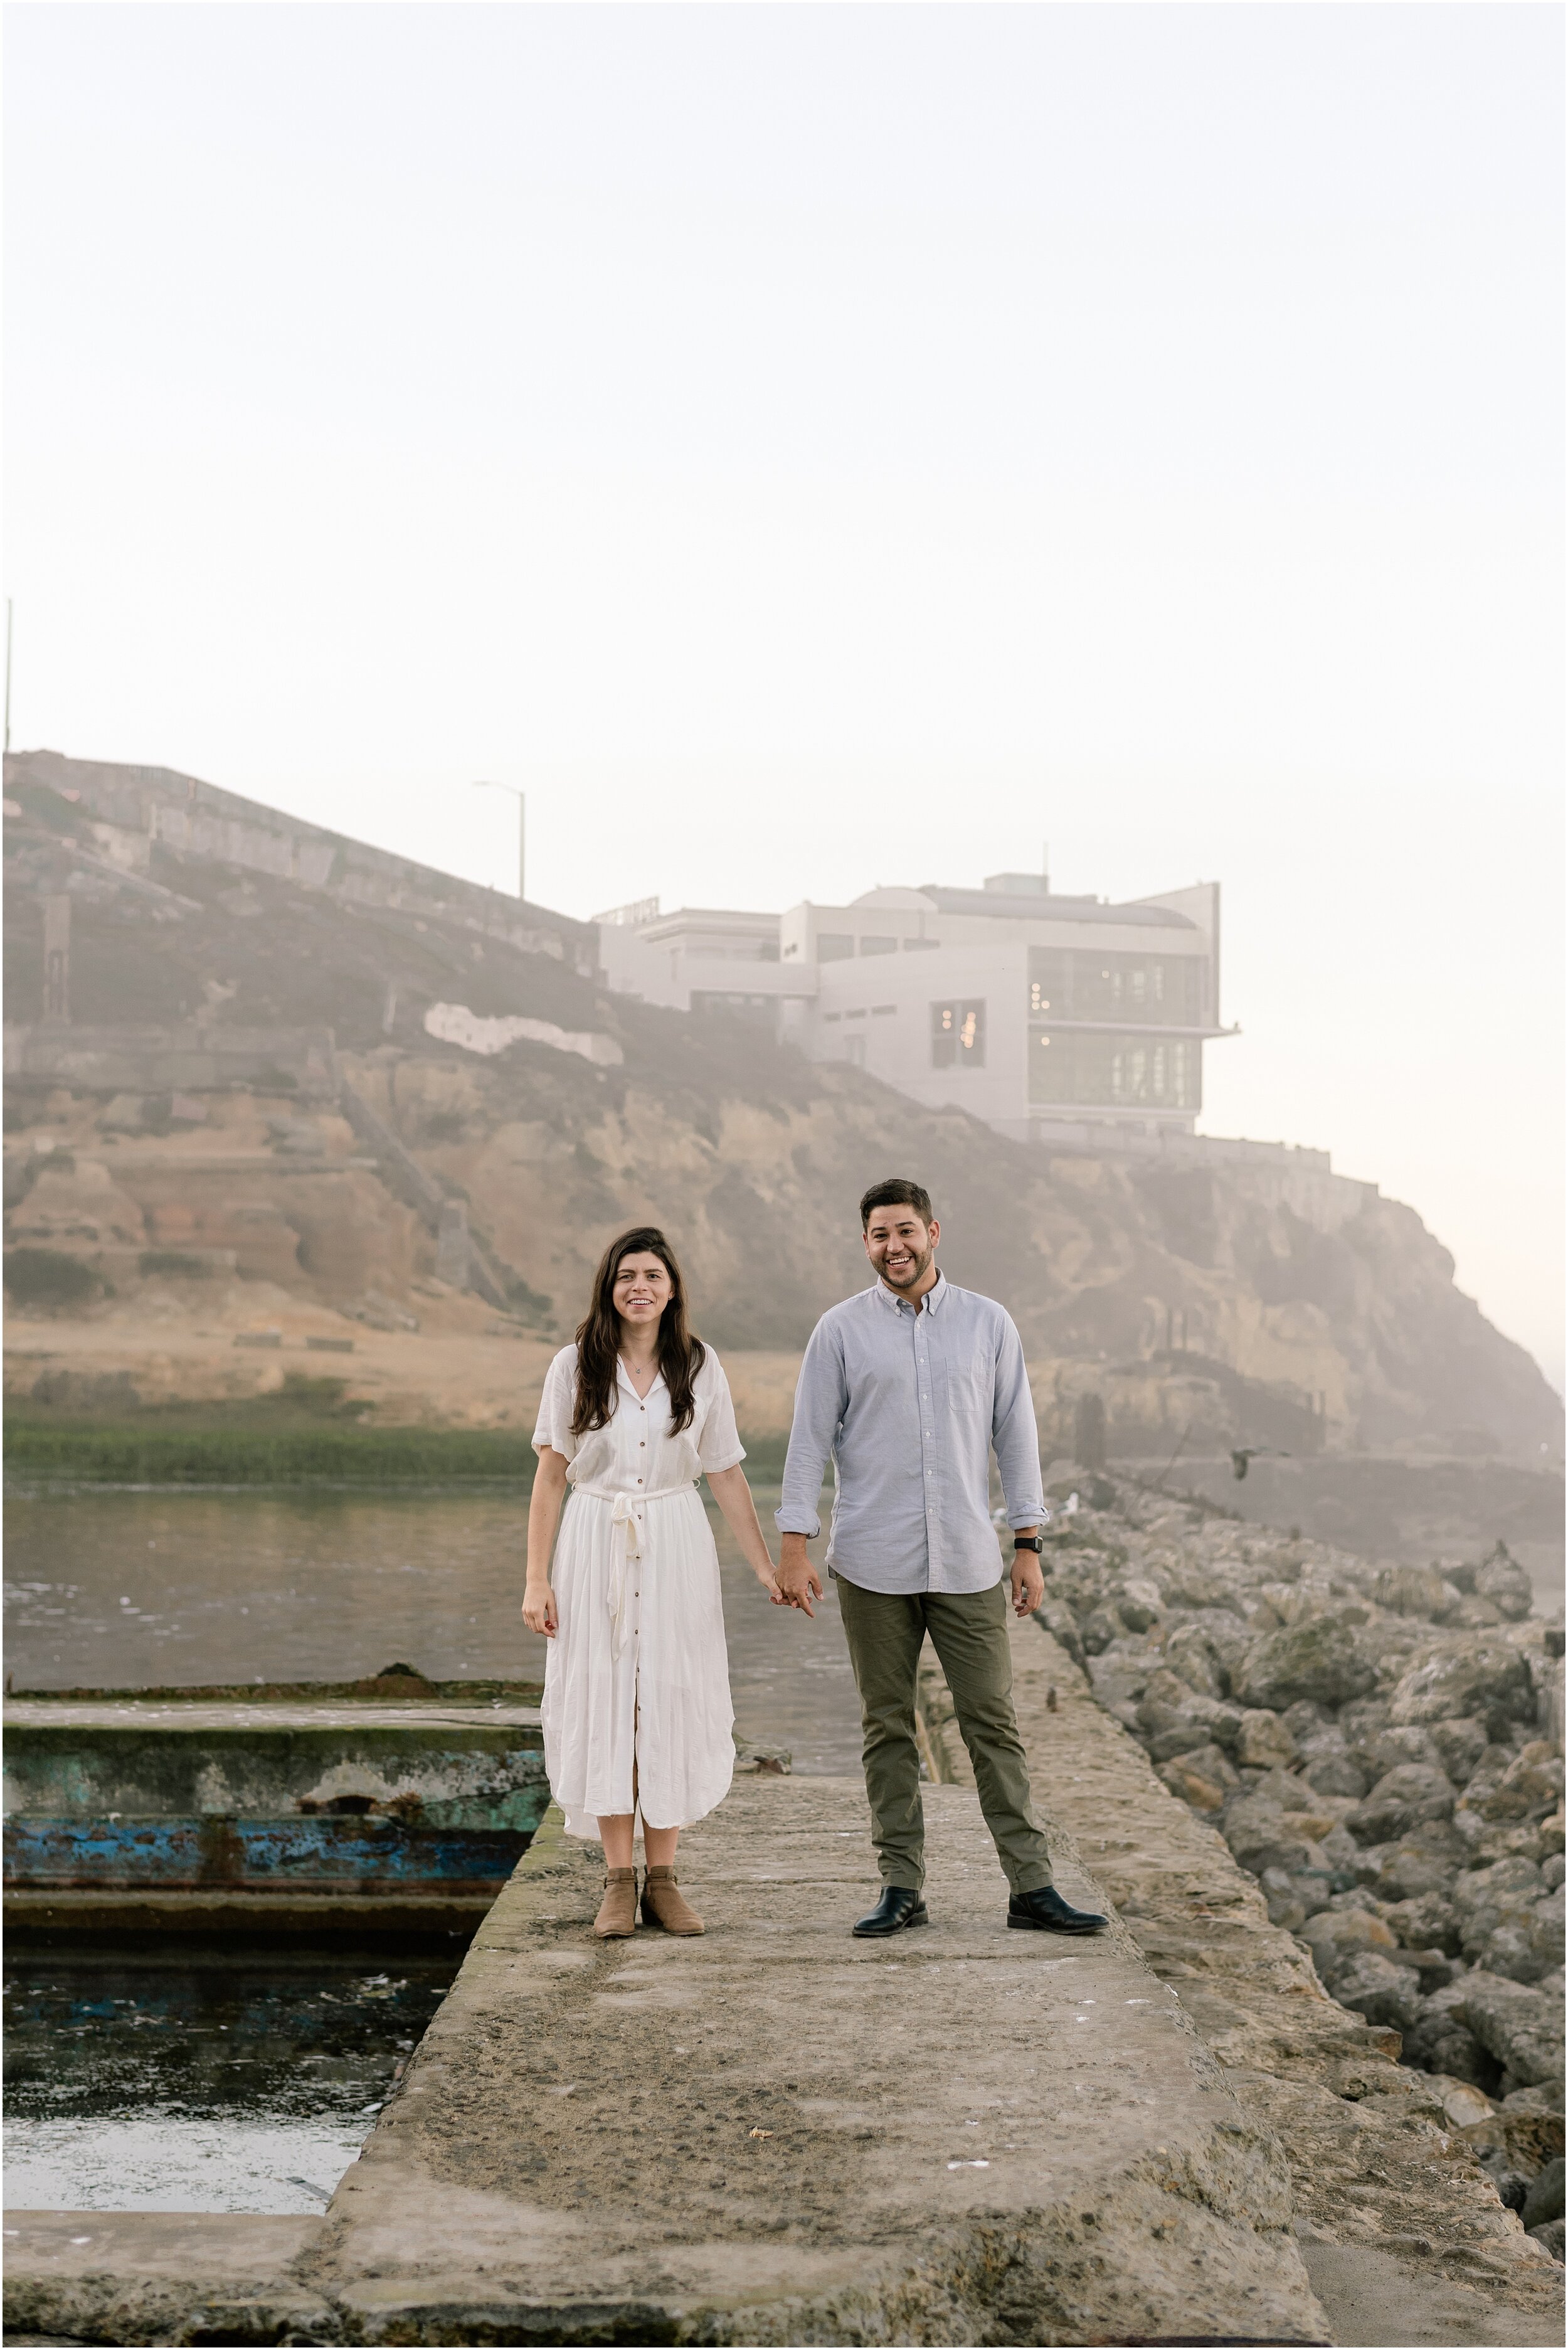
(1381, 1747)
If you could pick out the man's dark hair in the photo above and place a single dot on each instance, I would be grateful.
(896, 1191)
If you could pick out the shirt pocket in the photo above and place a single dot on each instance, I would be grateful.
(971, 1389)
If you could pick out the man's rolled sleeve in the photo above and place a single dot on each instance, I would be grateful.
(1014, 1434)
(820, 1398)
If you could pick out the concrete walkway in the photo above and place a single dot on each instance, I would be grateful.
(778, 2134)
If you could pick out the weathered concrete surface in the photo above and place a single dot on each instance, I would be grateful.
(330, 1799)
(1378, 2171)
(160, 2276)
(778, 2134)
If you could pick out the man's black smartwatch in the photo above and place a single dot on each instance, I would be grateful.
(1029, 1542)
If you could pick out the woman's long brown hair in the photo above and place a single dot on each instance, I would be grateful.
(680, 1356)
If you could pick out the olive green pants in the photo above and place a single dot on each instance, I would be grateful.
(968, 1632)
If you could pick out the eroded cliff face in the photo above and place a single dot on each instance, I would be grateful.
(1208, 1298)
(1237, 1303)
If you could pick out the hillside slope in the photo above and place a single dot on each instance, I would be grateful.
(1220, 1298)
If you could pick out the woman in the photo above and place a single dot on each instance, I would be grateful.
(637, 1710)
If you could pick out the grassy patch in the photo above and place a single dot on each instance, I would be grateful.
(306, 1433)
(45, 1277)
(286, 1452)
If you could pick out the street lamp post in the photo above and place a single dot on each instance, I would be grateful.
(522, 828)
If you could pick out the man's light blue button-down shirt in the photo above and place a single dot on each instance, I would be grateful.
(910, 1406)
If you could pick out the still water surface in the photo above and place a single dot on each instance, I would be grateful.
(249, 2088)
(126, 1589)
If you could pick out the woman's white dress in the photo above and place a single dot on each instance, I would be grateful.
(638, 1671)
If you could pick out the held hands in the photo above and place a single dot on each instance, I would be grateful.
(799, 1584)
(539, 1611)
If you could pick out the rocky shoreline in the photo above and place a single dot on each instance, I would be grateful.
(1380, 1746)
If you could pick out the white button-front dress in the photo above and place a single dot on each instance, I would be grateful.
(637, 1675)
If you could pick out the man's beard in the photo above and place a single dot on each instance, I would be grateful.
(916, 1272)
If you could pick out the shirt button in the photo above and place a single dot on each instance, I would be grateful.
(639, 1481)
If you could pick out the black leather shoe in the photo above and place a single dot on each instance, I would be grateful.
(898, 1907)
(1044, 1911)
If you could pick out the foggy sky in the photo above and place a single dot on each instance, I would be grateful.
(817, 446)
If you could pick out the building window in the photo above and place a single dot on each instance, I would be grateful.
(958, 1035)
(1111, 1072)
(878, 946)
(859, 1013)
(762, 1010)
(855, 1051)
(833, 1015)
(881, 1011)
(913, 946)
(1076, 983)
(834, 946)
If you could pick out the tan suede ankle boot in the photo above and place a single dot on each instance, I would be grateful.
(618, 1910)
(664, 1904)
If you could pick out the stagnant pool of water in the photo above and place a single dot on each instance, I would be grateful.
(249, 2086)
(128, 1589)
(215, 2084)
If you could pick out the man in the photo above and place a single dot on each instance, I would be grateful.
(910, 1385)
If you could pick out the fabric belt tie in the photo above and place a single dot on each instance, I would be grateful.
(626, 1511)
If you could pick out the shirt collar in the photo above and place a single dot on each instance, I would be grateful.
(623, 1380)
(934, 1295)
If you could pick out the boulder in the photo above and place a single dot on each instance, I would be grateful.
(1120, 1674)
(1522, 2028)
(1425, 1861)
(1404, 1798)
(1464, 2106)
(1487, 1677)
(1441, 2042)
(1459, 1746)
(1261, 1835)
(1428, 1922)
(1418, 1591)
(1328, 1765)
(1531, 1840)
(1545, 2200)
(1318, 1658)
(1529, 1787)
(1335, 1936)
(1138, 1603)
(1508, 1922)
(1526, 2129)
(1475, 1615)
(1505, 1584)
(1202, 1778)
(1263, 1740)
(1101, 1627)
(1189, 1655)
(1385, 1749)
(1379, 1990)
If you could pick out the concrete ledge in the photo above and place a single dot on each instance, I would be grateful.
(160, 2276)
(777, 2135)
(368, 1920)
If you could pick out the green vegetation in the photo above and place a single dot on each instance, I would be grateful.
(45, 1277)
(157, 1450)
(308, 1432)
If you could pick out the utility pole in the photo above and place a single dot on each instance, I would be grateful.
(7, 674)
(521, 829)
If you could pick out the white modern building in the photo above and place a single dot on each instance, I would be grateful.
(1053, 1018)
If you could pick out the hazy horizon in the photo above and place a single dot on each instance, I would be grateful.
(815, 448)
